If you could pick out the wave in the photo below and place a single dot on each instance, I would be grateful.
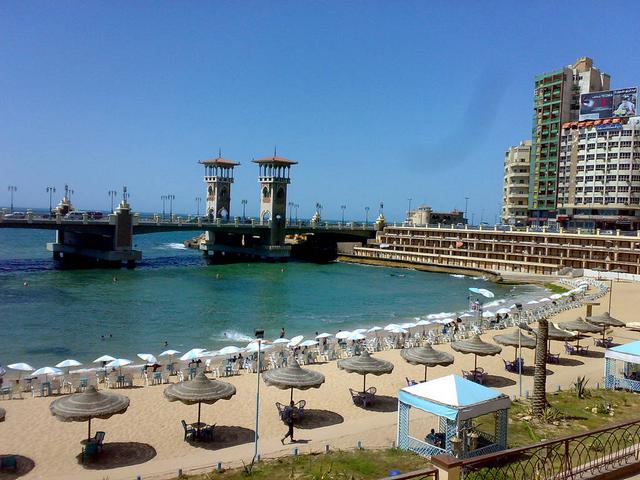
(456, 275)
(233, 336)
(495, 303)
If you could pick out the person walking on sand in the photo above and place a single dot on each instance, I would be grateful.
(288, 417)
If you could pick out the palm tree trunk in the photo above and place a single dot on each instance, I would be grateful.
(540, 373)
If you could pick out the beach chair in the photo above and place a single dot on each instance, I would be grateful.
(570, 349)
(6, 390)
(157, 378)
(369, 396)
(98, 439)
(89, 450)
(300, 406)
(280, 408)
(9, 462)
(410, 381)
(189, 431)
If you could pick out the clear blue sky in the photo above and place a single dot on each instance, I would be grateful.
(378, 101)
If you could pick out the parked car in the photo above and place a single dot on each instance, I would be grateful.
(75, 215)
(95, 215)
(16, 215)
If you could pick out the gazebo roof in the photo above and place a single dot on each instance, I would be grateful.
(629, 352)
(454, 397)
(275, 160)
(219, 162)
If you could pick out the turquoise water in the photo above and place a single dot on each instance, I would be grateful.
(174, 297)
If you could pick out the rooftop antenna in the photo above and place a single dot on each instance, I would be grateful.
(219, 152)
(275, 151)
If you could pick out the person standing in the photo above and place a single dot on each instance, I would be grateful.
(282, 332)
(288, 417)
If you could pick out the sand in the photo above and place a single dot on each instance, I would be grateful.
(151, 430)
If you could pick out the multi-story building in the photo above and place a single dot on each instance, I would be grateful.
(556, 101)
(515, 191)
(599, 174)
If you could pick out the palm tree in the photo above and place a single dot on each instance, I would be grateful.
(540, 373)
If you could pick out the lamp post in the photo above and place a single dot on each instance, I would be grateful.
(12, 189)
(381, 207)
(171, 199)
(409, 210)
(259, 336)
(51, 191)
(366, 216)
(244, 207)
(290, 205)
(164, 198)
(296, 206)
(112, 194)
(466, 204)
(198, 200)
(69, 191)
(343, 208)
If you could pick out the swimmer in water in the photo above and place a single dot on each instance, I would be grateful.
(115, 279)
(217, 276)
(25, 284)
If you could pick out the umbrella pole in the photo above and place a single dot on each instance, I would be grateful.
(89, 430)
(475, 362)
(199, 405)
(364, 383)
(425, 373)
(292, 394)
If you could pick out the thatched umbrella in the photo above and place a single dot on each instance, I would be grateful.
(427, 356)
(605, 320)
(580, 326)
(476, 346)
(516, 339)
(364, 364)
(3, 413)
(556, 333)
(292, 377)
(199, 390)
(82, 407)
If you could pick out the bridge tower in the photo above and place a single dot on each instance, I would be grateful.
(274, 179)
(218, 176)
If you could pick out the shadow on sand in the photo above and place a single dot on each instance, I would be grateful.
(570, 362)
(24, 466)
(318, 419)
(226, 436)
(529, 371)
(384, 403)
(497, 381)
(120, 454)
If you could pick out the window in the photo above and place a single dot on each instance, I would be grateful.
(635, 178)
(624, 166)
(613, 155)
(588, 178)
(611, 178)
(601, 156)
(625, 144)
(625, 155)
(610, 199)
(591, 135)
(626, 133)
(590, 168)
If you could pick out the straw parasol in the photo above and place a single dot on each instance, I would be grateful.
(476, 346)
(580, 326)
(516, 339)
(199, 390)
(605, 320)
(292, 377)
(81, 407)
(3, 413)
(427, 356)
(556, 333)
(364, 364)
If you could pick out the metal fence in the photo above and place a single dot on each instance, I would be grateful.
(573, 457)
(425, 474)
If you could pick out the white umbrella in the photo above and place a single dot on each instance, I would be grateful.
(296, 340)
(356, 336)
(466, 315)
(374, 329)
(482, 291)
(324, 335)
(488, 314)
(398, 330)
(545, 299)
(281, 340)
(119, 363)
(193, 354)
(408, 325)
(308, 343)
(104, 358)
(391, 326)
(230, 350)
(532, 302)
(169, 353)
(23, 367)
(68, 363)
(502, 311)
(46, 371)
(343, 334)
(147, 357)
(555, 296)
(359, 330)
(423, 323)
(446, 320)
(253, 347)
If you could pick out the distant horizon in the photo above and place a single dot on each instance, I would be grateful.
(104, 95)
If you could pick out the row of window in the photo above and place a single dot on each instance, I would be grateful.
(630, 201)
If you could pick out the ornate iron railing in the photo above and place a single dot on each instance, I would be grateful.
(424, 474)
(573, 457)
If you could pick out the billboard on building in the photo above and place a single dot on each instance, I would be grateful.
(608, 104)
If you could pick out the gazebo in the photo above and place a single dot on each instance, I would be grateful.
(456, 402)
(629, 355)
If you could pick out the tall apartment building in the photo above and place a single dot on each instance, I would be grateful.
(556, 101)
(515, 190)
(599, 174)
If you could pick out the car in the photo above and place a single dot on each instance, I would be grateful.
(16, 215)
(95, 215)
(75, 215)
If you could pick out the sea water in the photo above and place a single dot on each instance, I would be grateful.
(172, 296)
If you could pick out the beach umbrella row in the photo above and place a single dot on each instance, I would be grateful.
(365, 364)
(476, 346)
(427, 356)
(293, 376)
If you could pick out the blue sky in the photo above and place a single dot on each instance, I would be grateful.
(378, 101)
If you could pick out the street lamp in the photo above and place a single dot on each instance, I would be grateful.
(12, 190)
(244, 207)
(112, 194)
(51, 191)
(366, 215)
(171, 199)
(198, 200)
(164, 198)
(259, 337)
(290, 205)
(296, 206)
(381, 207)
(466, 204)
(409, 211)
(343, 208)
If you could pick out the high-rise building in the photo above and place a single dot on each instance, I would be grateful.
(599, 175)
(515, 190)
(556, 101)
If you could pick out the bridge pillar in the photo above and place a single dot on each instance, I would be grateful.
(274, 179)
(218, 176)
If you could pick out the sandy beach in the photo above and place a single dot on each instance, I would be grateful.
(151, 427)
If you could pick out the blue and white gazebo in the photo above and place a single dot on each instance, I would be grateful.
(629, 355)
(456, 402)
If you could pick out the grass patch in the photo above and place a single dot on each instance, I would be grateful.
(555, 288)
(356, 465)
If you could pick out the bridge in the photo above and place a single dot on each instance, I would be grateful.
(82, 240)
